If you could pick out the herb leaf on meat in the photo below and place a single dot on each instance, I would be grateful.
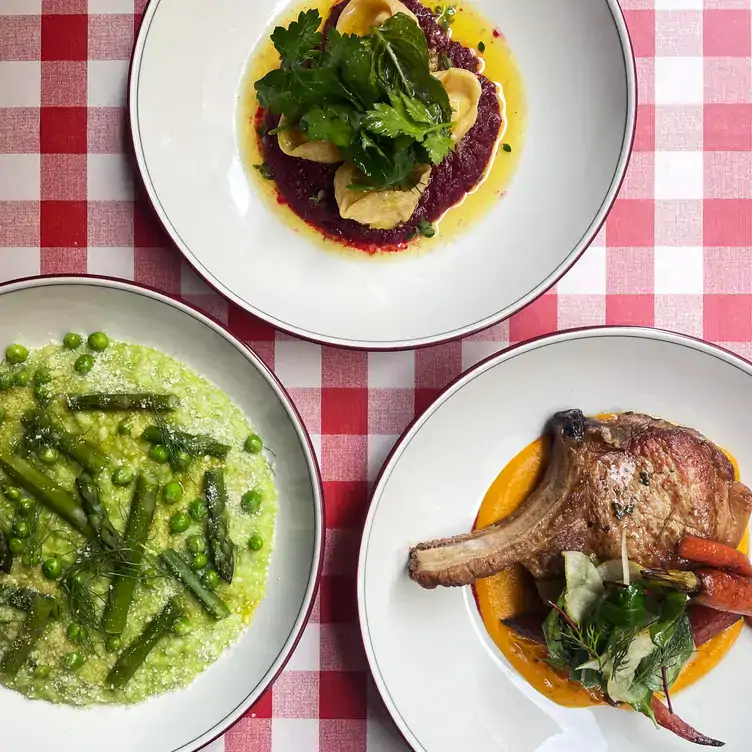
(374, 97)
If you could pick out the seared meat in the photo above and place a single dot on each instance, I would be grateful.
(633, 473)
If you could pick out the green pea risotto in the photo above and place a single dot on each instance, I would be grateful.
(137, 513)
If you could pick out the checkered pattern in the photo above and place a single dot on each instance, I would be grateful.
(675, 253)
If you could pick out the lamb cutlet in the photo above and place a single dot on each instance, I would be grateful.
(632, 475)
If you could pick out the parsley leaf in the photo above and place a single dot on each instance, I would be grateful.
(336, 123)
(438, 146)
(299, 41)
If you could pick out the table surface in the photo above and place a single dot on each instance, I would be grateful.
(676, 253)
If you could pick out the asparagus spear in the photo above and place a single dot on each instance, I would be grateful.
(96, 513)
(195, 444)
(84, 452)
(136, 532)
(31, 630)
(23, 599)
(6, 557)
(135, 654)
(222, 549)
(160, 403)
(179, 568)
(54, 497)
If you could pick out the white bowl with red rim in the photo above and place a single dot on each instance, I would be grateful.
(579, 77)
(37, 310)
(444, 681)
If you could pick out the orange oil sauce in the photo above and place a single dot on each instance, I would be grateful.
(507, 593)
(470, 28)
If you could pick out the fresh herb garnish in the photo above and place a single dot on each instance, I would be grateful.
(628, 640)
(373, 97)
(506, 147)
(445, 15)
(481, 47)
(444, 61)
(265, 171)
(427, 230)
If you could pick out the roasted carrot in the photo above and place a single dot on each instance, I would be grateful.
(725, 592)
(714, 554)
(681, 728)
(708, 623)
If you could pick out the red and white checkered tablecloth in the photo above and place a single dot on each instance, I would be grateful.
(676, 253)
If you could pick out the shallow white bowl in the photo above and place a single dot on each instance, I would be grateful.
(38, 310)
(578, 73)
(444, 681)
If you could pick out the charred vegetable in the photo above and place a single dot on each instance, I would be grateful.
(715, 554)
(112, 403)
(136, 532)
(197, 445)
(181, 570)
(134, 655)
(43, 488)
(32, 628)
(222, 548)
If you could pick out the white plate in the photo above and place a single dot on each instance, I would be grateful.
(36, 311)
(578, 73)
(442, 678)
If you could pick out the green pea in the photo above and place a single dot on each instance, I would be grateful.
(253, 444)
(196, 544)
(125, 427)
(159, 453)
(172, 493)
(256, 542)
(197, 510)
(72, 661)
(16, 545)
(179, 522)
(41, 672)
(16, 354)
(49, 455)
(98, 341)
(210, 579)
(22, 378)
(6, 382)
(13, 493)
(21, 528)
(200, 560)
(182, 461)
(43, 394)
(52, 568)
(72, 341)
(182, 626)
(251, 501)
(122, 476)
(114, 643)
(42, 375)
(74, 632)
(25, 506)
(83, 364)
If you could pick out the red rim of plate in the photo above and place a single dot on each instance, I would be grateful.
(139, 288)
(644, 331)
(426, 341)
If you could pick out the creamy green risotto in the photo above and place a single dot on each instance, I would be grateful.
(136, 521)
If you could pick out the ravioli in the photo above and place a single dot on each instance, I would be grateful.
(360, 15)
(380, 210)
(294, 143)
(465, 91)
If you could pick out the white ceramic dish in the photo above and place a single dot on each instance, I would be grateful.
(445, 682)
(38, 310)
(578, 73)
